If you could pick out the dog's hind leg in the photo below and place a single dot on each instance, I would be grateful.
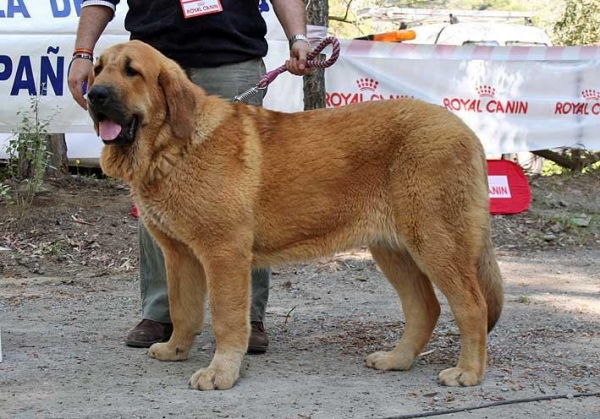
(419, 304)
(187, 291)
(451, 264)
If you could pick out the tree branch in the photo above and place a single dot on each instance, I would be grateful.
(345, 18)
(341, 19)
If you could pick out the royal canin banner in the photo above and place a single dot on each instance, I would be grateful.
(514, 98)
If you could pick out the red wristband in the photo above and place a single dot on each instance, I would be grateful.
(83, 51)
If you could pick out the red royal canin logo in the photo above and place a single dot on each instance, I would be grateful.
(367, 84)
(367, 92)
(589, 106)
(486, 103)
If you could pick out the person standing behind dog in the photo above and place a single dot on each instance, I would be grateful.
(222, 51)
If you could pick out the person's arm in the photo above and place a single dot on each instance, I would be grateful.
(292, 16)
(93, 20)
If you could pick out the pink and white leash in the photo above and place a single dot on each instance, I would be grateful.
(310, 63)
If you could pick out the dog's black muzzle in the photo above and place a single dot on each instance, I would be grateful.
(106, 108)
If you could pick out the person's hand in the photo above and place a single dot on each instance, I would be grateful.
(78, 75)
(297, 62)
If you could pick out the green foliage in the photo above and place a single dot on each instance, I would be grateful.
(343, 22)
(550, 169)
(523, 299)
(28, 156)
(508, 5)
(579, 24)
(5, 194)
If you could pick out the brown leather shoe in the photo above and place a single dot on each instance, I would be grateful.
(147, 333)
(258, 342)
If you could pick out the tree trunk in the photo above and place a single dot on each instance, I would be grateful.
(314, 83)
(58, 165)
(24, 166)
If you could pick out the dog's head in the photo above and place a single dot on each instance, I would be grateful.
(134, 91)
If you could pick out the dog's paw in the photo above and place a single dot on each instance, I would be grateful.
(459, 377)
(213, 378)
(391, 360)
(221, 374)
(168, 352)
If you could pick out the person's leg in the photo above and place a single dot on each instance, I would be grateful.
(153, 277)
(229, 81)
(259, 341)
(156, 324)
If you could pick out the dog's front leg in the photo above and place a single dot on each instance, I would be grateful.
(228, 279)
(187, 292)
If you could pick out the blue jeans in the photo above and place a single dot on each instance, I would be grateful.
(226, 81)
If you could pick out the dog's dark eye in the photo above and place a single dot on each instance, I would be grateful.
(130, 71)
(97, 70)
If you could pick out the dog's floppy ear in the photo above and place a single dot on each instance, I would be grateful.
(86, 87)
(90, 80)
(180, 98)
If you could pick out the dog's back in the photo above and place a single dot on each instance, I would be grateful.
(348, 176)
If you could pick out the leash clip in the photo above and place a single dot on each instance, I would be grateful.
(248, 93)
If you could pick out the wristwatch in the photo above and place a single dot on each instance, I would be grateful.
(299, 37)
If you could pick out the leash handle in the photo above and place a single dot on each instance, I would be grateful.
(310, 63)
(335, 53)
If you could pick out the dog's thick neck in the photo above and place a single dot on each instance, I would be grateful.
(140, 165)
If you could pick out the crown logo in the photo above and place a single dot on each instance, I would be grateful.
(367, 84)
(485, 91)
(591, 94)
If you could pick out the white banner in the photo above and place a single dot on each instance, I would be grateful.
(36, 42)
(514, 98)
(528, 99)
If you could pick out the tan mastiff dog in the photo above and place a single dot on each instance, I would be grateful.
(224, 187)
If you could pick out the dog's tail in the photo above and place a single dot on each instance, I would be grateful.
(490, 281)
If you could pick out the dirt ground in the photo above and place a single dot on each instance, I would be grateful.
(69, 294)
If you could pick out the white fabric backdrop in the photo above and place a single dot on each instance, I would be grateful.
(514, 98)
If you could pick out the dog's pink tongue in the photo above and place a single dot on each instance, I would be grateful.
(109, 130)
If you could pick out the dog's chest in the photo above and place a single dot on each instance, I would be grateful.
(157, 215)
